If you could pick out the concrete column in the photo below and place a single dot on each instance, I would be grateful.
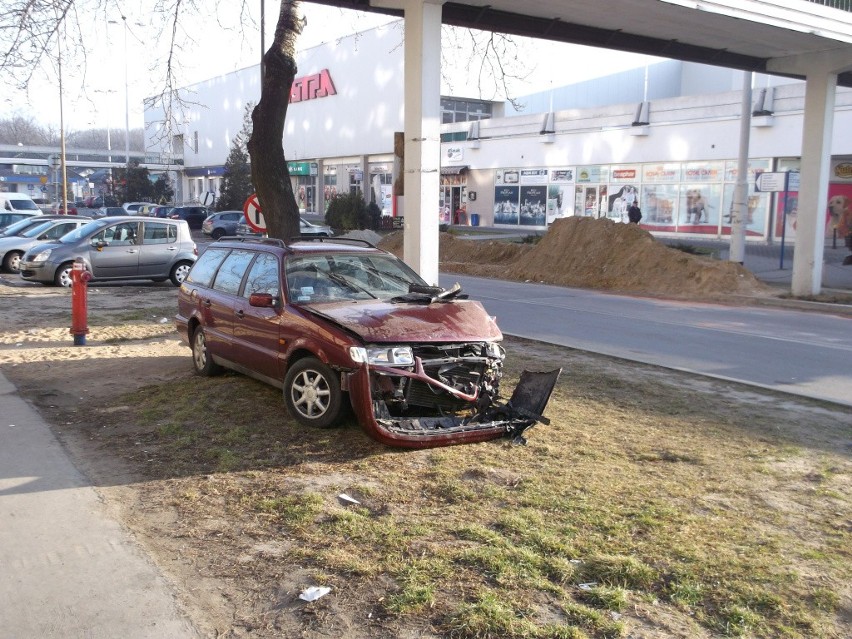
(813, 189)
(319, 200)
(422, 135)
(738, 213)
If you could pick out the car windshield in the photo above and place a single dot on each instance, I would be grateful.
(72, 237)
(20, 225)
(347, 276)
(37, 229)
(23, 205)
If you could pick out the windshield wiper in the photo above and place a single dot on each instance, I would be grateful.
(345, 281)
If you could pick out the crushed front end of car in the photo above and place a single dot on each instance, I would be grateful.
(428, 369)
(437, 394)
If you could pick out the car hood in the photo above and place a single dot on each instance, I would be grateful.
(385, 322)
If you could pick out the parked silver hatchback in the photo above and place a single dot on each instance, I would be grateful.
(116, 248)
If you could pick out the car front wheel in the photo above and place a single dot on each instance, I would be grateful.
(62, 277)
(201, 359)
(312, 393)
(12, 261)
(179, 272)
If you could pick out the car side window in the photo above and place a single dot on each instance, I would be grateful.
(232, 217)
(123, 234)
(264, 276)
(59, 230)
(159, 233)
(205, 267)
(231, 272)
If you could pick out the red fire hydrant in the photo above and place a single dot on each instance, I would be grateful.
(79, 290)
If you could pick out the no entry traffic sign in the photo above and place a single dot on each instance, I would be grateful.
(253, 214)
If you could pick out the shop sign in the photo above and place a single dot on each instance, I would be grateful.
(310, 87)
(624, 174)
(302, 168)
(455, 153)
(593, 174)
(533, 176)
(507, 176)
(703, 172)
(661, 173)
(562, 176)
(843, 171)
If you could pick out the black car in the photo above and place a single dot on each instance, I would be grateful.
(194, 215)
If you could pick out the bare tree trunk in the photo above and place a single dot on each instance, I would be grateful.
(268, 165)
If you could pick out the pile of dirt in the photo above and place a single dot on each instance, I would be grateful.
(593, 253)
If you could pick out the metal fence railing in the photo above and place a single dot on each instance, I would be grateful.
(843, 5)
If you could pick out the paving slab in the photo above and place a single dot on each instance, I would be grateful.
(68, 569)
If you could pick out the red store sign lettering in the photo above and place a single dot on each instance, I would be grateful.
(310, 87)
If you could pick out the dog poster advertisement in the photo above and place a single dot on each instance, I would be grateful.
(838, 212)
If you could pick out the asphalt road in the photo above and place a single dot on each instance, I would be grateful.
(793, 351)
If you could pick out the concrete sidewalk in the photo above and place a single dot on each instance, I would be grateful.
(68, 569)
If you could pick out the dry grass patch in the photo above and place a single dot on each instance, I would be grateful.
(726, 508)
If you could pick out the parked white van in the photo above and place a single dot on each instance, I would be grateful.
(17, 202)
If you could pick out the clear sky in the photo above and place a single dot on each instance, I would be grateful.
(94, 88)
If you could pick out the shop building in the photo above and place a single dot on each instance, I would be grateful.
(666, 136)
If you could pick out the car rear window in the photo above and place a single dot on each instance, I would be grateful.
(206, 266)
(23, 205)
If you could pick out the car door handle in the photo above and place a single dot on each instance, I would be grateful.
(206, 303)
(132, 250)
(240, 313)
(172, 248)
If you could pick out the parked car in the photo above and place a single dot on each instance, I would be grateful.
(305, 229)
(108, 211)
(145, 209)
(340, 322)
(58, 209)
(13, 247)
(162, 211)
(222, 223)
(27, 223)
(7, 218)
(193, 215)
(116, 248)
(103, 200)
(132, 208)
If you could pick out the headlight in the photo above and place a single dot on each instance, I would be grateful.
(382, 355)
(493, 349)
(42, 256)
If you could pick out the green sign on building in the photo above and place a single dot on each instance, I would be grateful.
(302, 168)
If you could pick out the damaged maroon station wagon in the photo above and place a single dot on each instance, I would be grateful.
(338, 323)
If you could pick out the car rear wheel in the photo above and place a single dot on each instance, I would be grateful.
(201, 359)
(312, 393)
(179, 272)
(217, 233)
(62, 277)
(12, 261)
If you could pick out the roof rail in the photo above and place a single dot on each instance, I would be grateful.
(274, 241)
(323, 238)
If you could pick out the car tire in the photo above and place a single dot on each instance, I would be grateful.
(312, 393)
(62, 277)
(217, 233)
(202, 361)
(12, 261)
(179, 272)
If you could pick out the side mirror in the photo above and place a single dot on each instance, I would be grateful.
(262, 300)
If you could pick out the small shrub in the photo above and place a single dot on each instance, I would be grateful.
(348, 212)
